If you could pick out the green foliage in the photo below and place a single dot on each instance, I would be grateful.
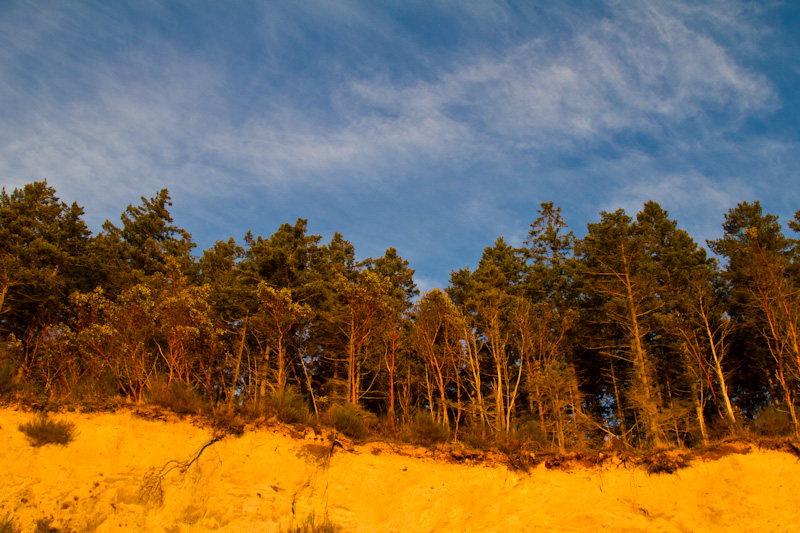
(44, 256)
(531, 431)
(426, 431)
(94, 392)
(631, 329)
(290, 406)
(177, 396)
(475, 436)
(635, 272)
(43, 431)
(146, 239)
(401, 278)
(772, 421)
(760, 262)
(349, 419)
(219, 269)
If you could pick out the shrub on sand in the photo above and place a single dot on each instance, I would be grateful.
(426, 431)
(772, 421)
(290, 406)
(349, 419)
(178, 397)
(475, 436)
(226, 421)
(46, 431)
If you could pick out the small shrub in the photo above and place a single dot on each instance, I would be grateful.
(178, 397)
(7, 525)
(720, 429)
(226, 421)
(95, 392)
(509, 444)
(477, 437)
(773, 422)
(530, 430)
(349, 419)
(46, 431)
(31, 394)
(290, 407)
(425, 431)
(255, 409)
(6, 378)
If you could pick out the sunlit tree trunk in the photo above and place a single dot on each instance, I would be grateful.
(471, 351)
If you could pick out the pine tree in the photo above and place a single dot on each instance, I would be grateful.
(765, 293)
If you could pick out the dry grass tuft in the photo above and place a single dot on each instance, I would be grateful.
(43, 431)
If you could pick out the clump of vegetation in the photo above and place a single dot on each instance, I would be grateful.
(664, 462)
(6, 377)
(349, 419)
(44, 430)
(227, 421)
(177, 397)
(530, 430)
(310, 525)
(7, 525)
(95, 392)
(426, 431)
(252, 410)
(773, 422)
(477, 437)
(290, 407)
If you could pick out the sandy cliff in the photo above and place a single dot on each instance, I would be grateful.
(117, 476)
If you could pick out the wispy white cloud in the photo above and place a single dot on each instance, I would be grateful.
(641, 71)
(117, 111)
(133, 138)
(608, 79)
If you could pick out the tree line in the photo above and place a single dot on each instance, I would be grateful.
(631, 333)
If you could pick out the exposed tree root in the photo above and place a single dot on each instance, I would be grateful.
(151, 485)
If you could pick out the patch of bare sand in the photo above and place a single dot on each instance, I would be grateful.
(266, 480)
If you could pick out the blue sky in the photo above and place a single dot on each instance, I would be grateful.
(433, 127)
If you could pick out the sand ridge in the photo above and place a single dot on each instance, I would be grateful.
(267, 480)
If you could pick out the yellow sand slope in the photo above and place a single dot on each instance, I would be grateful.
(117, 476)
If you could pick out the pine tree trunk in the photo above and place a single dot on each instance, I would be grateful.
(698, 409)
(620, 414)
(649, 407)
(238, 365)
(717, 364)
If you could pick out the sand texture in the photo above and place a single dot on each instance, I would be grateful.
(127, 473)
